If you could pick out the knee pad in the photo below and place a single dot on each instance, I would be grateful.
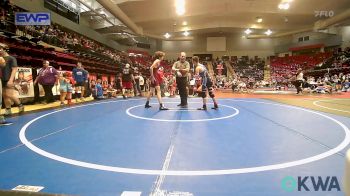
(203, 94)
(211, 94)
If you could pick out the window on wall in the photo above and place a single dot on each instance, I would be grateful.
(143, 45)
(60, 8)
(307, 38)
(300, 39)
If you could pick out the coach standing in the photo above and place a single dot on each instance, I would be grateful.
(181, 69)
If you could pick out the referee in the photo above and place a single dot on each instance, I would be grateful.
(181, 69)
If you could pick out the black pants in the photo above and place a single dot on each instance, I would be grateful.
(298, 85)
(137, 87)
(48, 93)
(181, 85)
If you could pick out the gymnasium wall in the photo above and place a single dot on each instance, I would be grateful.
(314, 38)
(235, 46)
(345, 32)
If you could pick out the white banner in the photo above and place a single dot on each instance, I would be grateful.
(24, 82)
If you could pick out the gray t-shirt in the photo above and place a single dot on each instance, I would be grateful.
(7, 70)
(184, 65)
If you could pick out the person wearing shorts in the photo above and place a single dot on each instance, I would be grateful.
(156, 80)
(8, 72)
(80, 76)
(127, 80)
(207, 84)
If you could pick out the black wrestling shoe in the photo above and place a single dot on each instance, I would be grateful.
(5, 123)
(163, 108)
(184, 106)
(203, 108)
(179, 105)
(215, 107)
(148, 106)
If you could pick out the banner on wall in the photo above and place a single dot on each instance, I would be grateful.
(104, 79)
(92, 76)
(112, 78)
(24, 82)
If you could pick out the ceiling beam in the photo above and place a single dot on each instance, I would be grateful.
(118, 13)
(96, 12)
(124, 1)
(188, 38)
(321, 24)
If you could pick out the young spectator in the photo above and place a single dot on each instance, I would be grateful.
(98, 90)
(64, 81)
(70, 87)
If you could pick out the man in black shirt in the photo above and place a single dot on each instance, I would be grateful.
(181, 69)
(128, 80)
(8, 75)
(2, 64)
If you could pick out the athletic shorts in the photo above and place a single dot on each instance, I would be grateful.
(128, 85)
(80, 84)
(4, 83)
(158, 82)
(208, 84)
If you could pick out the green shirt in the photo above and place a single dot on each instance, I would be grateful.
(185, 65)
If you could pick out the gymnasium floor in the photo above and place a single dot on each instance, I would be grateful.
(115, 147)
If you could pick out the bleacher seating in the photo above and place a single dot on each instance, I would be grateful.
(284, 67)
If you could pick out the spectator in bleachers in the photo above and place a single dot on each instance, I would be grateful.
(47, 77)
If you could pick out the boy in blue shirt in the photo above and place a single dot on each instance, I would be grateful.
(99, 90)
(80, 76)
